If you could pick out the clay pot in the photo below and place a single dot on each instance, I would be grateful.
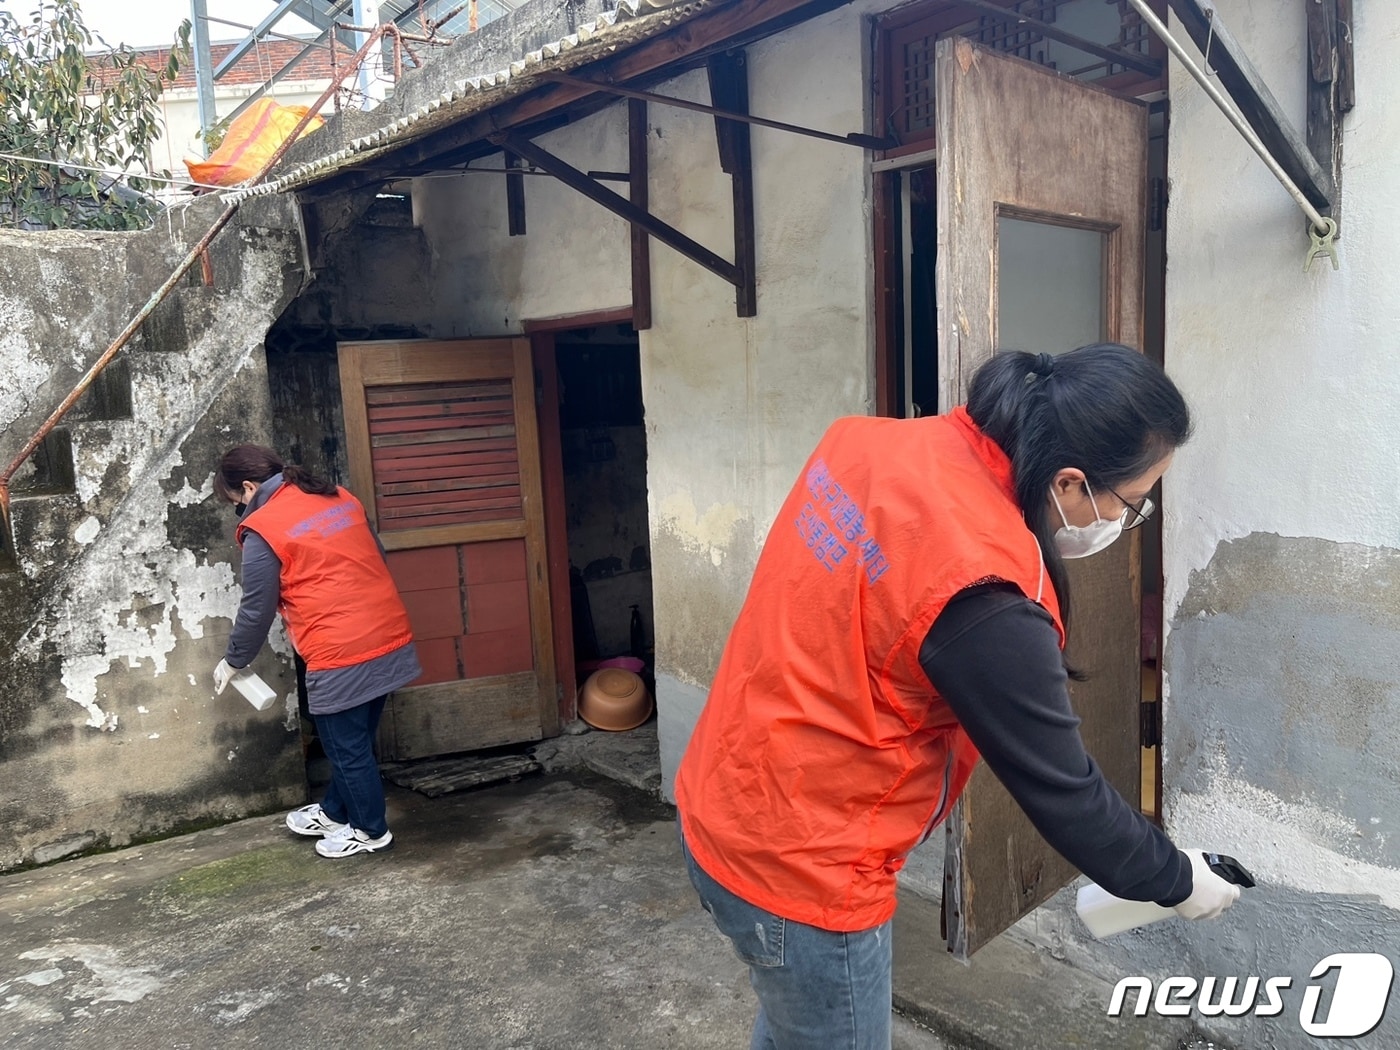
(614, 699)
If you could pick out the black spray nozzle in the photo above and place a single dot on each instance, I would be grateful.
(1229, 869)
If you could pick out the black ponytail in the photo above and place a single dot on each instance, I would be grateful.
(1105, 409)
(257, 463)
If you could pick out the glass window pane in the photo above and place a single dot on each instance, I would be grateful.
(1050, 286)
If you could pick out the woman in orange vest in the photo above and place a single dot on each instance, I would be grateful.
(907, 614)
(309, 552)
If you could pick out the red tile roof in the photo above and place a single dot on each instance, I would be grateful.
(260, 63)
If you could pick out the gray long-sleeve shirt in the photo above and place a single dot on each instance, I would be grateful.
(326, 691)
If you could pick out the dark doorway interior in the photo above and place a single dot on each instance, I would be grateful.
(604, 459)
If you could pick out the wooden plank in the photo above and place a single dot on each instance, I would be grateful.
(493, 482)
(454, 421)
(889, 297)
(621, 206)
(729, 89)
(1322, 128)
(471, 467)
(394, 508)
(438, 436)
(1346, 58)
(638, 175)
(449, 717)
(416, 361)
(415, 394)
(408, 454)
(1255, 101)
(470, 532)
(555, 522)
(515, 197)
(451, 407)
(352, 389)
(536, 543)
(1019, 140)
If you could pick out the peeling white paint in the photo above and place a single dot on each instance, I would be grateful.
(1284, 841)
(709, 534)
(41, 978)
(80, 678)
(188, 496)
(88, 530)
(142, 710)
(113, 981)
(237, 1009)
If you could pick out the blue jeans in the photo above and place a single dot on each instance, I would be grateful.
(356, 794)
(817, 990)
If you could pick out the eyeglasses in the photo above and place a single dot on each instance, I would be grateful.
(1136, 513)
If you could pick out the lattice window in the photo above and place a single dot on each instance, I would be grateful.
(1015, 40)
(1134, 36)
(914, 114)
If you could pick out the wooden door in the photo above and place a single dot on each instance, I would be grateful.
(444, 452)
(1041, 202)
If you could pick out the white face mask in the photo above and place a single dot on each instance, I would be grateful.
(1080, 541)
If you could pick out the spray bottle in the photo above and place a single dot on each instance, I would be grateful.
(254, 689)
(1106, 914)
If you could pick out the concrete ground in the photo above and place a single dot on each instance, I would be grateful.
(553, 912)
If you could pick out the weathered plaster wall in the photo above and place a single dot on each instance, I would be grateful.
(1282, 548)
(109, 729)
(732, 406)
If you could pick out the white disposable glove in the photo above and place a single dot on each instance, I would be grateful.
(223, 674)
(1210, 894)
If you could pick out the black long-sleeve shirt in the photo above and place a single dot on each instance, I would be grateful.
(993, 655)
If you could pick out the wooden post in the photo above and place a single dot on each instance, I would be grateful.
(1323, 130)
(515, 197)
(641, 243)
(729, 89)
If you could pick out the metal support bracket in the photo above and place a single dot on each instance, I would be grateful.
(1256, 102)
(618, 205)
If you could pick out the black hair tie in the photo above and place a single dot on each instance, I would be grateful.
(1044, 364)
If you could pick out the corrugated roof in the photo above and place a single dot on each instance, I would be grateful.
(631, 22)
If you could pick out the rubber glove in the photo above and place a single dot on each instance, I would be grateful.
(1210, 894)
(223, 674)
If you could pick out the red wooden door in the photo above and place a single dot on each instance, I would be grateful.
(444, 453)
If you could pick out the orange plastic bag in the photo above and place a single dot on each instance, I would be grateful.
(249, 142)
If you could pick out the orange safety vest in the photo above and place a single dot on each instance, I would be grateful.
(823, 755)
(338, 600)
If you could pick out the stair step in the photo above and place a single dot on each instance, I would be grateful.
(49, 471)
(109, 396)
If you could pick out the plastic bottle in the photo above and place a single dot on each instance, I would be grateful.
(1106, 914)
(254, 689)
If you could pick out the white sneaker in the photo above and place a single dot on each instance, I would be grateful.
(312, 820)
(346, 840)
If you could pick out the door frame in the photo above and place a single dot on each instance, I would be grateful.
(541, 332)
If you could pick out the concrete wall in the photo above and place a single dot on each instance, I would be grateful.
(126, 582)
(1282, 545)
(732, 406)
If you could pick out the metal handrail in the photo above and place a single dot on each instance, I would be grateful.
(185, 265)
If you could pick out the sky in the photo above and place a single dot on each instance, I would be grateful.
(143, 23)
